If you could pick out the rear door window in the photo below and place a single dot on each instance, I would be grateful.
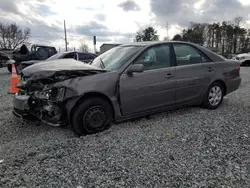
(188, 55)
(70, 56)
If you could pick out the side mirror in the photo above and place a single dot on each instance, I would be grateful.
(135, 68)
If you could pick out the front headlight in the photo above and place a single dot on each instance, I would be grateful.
(54, 94)
(242, 58)
(42, 94)
(57, 94)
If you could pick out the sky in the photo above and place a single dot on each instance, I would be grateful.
(113, 21)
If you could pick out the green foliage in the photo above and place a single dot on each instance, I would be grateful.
(177, 37)
(147, 34)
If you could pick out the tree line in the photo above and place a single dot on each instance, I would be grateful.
(225, 37)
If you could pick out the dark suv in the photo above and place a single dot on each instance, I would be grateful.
(37, 53)
(79, 56)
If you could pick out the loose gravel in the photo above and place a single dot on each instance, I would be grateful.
(190, 147)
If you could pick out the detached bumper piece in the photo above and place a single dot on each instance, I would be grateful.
(20, 104)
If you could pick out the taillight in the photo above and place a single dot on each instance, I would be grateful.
(239, 67)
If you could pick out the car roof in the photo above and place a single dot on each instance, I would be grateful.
(68, 52)
(212, 55)
(150, 43)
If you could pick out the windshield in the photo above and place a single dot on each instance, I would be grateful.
(116, 57)
(56, 56)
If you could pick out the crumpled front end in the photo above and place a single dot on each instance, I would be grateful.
(42, 101)
(46, 98)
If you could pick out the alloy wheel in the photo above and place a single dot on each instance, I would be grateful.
(215, 96)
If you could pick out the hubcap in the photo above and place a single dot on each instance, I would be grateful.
(215, 95)
(95, 117)
(19, 68)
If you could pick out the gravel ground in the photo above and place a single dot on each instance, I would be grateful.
(190, 147)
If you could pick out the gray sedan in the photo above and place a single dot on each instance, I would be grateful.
(126, 82)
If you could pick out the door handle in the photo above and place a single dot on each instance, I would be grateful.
(210, 69)
(169, 75)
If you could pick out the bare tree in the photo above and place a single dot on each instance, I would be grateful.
(238, 20)
(83, 47)
(11, 36)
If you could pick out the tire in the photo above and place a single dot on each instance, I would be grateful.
(92, 116)
(247, 63)
(19, 69)
(217, 88)
(9, 67)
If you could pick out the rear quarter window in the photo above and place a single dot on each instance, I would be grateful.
(82, 56)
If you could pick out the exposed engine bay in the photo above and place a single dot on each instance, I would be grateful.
(46, 96)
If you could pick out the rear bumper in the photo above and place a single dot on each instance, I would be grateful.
(233, 85)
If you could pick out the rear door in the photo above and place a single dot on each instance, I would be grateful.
(152, 89)
(194, 72)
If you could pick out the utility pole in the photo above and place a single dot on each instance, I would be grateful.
(94, 41)
(66, 42)
(167, 32)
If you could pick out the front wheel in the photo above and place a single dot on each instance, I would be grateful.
(214, 96)
(91, 116)
(19, 69)
(9, 67)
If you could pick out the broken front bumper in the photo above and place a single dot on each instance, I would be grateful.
(21, 107)
(22, 110)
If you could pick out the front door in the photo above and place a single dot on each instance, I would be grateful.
(194, 72)
(152, 89)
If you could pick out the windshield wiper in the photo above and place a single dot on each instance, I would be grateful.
(102, 64)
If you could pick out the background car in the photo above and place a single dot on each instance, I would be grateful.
(36, 53)
(244, 59)
(79, 56)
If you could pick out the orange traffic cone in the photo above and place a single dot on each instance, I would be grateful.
(14, 81)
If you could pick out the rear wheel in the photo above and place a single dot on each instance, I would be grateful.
(214, 96)
(92, 116)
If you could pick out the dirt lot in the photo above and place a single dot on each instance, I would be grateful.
(191, 147)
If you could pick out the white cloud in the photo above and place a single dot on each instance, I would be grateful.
(45, 17)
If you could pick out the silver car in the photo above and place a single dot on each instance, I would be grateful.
(128, 81)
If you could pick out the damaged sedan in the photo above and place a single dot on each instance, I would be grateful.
(128, 81)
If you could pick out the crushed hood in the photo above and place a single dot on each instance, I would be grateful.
(47, 69)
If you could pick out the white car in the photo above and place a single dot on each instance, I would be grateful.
(244, 59)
